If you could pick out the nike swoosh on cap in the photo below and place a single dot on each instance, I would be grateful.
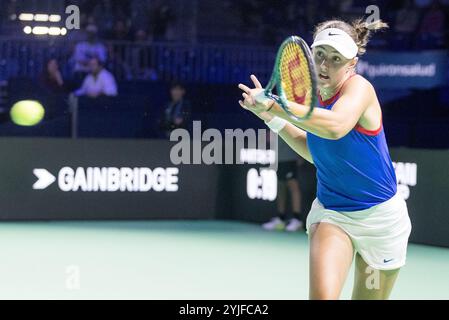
(334, 34)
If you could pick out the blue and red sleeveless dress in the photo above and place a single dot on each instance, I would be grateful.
(354, 172)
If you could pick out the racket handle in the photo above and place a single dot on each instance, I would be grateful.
(273, 97)
(264, 99)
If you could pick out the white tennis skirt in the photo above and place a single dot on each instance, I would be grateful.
(379, 234)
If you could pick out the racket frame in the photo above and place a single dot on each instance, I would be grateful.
(275, 80)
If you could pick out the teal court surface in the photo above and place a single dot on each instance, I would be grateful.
(178, 260)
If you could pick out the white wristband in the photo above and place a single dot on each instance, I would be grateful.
(276, 124)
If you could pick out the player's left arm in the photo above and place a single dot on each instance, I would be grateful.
(336, 123)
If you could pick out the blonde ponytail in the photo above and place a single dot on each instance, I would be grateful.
(363, 31)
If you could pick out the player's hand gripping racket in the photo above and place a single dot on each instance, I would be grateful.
(294, 77)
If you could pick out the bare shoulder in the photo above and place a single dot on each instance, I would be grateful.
(371, 117)
(358, 83)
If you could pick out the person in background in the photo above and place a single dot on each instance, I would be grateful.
(162, 18)
(287, 185)
(177, 111)
(99, 82)
(142, 56)
(53, 89)
(432, 30)
(406, 24)
(118, 51)
(51, 79)
(85, 50)
(120, 32)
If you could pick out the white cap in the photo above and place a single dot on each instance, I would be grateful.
(339, 40)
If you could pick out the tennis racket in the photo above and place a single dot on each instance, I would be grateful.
(294, 77)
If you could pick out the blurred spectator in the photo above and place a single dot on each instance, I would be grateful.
(118, 52)
(140, 13)
(407, 18)
(103, 13)
(51, 79)
(162, 17)
(120, 32)
(250, 12)
(142, 69)
(177, 112)
(53, 90)
(8, 26)
(405, 25)
(86, 50)
(141, 36)
(423, 3)
(99, 82)
(433, 27)
(75, 36)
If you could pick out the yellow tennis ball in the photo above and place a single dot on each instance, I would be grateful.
(27, 112)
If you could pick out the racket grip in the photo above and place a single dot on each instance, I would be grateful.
(262, 98)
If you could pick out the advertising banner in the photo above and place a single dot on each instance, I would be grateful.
(420, 70)
(101, 179)
(57, 179)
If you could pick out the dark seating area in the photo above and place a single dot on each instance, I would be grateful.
(418, 120)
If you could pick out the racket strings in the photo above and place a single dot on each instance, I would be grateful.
(295, 74)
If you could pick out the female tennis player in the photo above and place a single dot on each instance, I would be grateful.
(357, 209)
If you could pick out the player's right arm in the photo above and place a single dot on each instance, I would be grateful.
(295, 137)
